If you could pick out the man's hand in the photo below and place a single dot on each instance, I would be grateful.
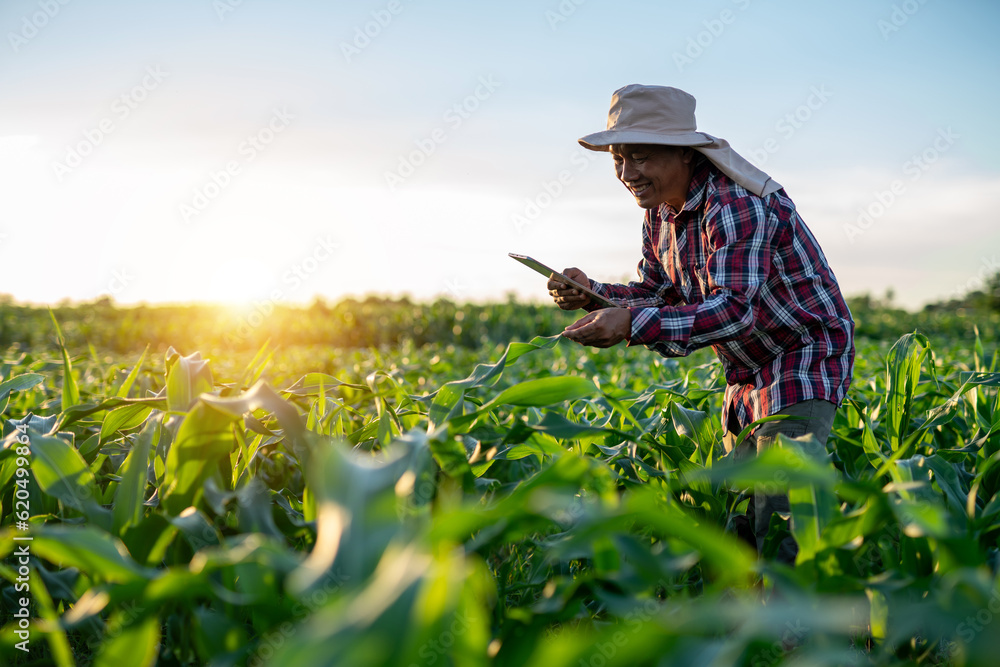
(601, 328)
(566, 297)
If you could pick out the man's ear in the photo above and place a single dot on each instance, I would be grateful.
(687, 155)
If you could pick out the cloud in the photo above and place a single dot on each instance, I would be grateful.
(923, 238)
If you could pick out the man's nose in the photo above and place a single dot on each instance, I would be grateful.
(629, 172)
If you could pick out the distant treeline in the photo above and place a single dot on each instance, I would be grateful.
(382, 322)
(371, 322)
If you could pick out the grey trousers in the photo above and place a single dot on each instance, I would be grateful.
(817, 419)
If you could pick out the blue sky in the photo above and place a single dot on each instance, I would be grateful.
(260, 151)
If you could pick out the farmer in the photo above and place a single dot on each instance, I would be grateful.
(726, 262)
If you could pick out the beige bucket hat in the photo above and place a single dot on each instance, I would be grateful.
(665, 116)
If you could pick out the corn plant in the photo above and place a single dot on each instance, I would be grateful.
(545, 509)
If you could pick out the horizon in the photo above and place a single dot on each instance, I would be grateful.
(228, 151)
(885, 300)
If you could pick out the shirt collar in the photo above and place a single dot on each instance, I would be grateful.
(696, 191)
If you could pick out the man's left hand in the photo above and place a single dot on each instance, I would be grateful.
(601, 328)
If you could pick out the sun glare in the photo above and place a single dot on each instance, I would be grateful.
(236, 288)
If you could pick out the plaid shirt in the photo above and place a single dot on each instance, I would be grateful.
(745, 275)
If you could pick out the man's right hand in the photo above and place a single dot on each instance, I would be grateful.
(566, 297)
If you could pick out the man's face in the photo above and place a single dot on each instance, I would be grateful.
(654, 174)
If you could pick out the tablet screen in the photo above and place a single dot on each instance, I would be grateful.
(534, 264)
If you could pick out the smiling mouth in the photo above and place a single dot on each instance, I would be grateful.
(638, 190)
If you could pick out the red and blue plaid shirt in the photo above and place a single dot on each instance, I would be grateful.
(745, 275)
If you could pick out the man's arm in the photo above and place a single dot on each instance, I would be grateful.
(654, 287)
(605, 327)
(739, 238)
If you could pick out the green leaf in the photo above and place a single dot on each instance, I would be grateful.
(450, 455)
(91, 550)
(196, 528)
(129, 496)
(947, 477)
(254, 500)
(62, 472)
(78, 412)
(447, 401)
(58, 641)
(130, 379)
(356, 508)
(447, 404)
(138, 644)
(902, 374)
(205, 438)
(545, 391)
(919, 519)
(217, 635)
(123, 419)
(253, 371)
(70, 390)
(560, 427)
(813, 506)
(778, 467)
(187, 378)
(692, 424)
(19, 383)
(730, 558)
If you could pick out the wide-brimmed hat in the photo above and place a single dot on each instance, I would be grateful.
(664, 116)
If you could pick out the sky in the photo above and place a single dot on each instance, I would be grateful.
(259, 152)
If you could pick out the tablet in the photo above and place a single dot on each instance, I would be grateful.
(551, 273)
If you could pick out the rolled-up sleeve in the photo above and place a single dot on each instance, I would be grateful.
(653, 288)
(739, 256)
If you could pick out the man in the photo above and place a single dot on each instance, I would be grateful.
(726, 262)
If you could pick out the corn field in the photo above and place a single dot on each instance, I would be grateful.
(535, 504)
